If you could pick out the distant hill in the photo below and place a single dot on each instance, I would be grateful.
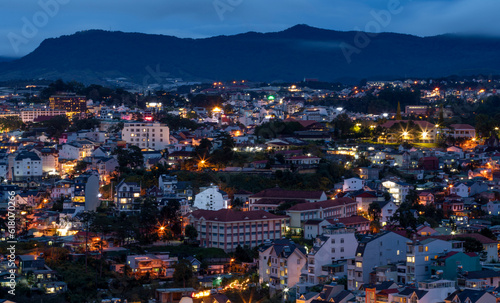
(289, 55)
(6, 59)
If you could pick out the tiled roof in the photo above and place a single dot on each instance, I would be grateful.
(422, 124)
(351, 220)
(289, 194)
(229, 215)
(462, 126)
(479, 237)
(322, 204)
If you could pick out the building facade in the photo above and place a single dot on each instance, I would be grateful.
(228, 229)
(146, 135)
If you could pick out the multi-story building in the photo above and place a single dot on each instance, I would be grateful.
(421, 254)
(50, 159)
(86, 191)
(211, 198)
(374, 250)
(398, 190)
(76, 150)
(450, 264)
(158, 266)
(425, 198)
(353, 184)
(126, 194)
(327, 260)
(461, 131)
(329, 209)
(25, 166)
(29, 115)
(228, 229)
(278, 194)
(71, 103)
(281, 263)
(62, 189)
(168, 184)
(146, 135)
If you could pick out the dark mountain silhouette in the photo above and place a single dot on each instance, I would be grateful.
(289, 55)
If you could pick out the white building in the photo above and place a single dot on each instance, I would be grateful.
(126, 194)
(168, 184)
(228, 229)
(374, 250)
(420, 255)
(281, 264)
(327, 260)
(62, 188)
(459, 189)
(388, 209)
(211, 198)
(461, 131)
(30, 114)
(50, 159)
(398, 190)
(86, 191)
(146, 135)
(26, 166)
(353, 184)
(493, 208)
(76, 150)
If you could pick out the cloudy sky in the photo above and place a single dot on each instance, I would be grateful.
(26, 23)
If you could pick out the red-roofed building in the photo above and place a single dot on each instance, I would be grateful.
(426, 134)
(328, 209)
(227, 228)
(425, 198)
(461, 131)
(287, 195)
(489, 245)
(361, 224)
(303, 160)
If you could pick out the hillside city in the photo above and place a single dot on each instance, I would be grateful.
(249, 192)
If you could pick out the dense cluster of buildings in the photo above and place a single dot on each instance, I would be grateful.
(304, 238)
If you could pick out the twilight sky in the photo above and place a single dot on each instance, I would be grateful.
(26, 23)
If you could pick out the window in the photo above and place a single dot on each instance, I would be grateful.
(426, 258)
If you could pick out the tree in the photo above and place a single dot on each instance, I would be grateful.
(116, 128)
(10, 123)
(398, 112)
(183, 274)
(131, 157)
(375, 212)
(471, 244)
(203, 149)
(56, 126)
(404, 217)
(342, 125)
(224, 153)
(191, 232)
(89, 123)
(80, 167)
(488, 233)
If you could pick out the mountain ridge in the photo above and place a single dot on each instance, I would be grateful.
(91, 56)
